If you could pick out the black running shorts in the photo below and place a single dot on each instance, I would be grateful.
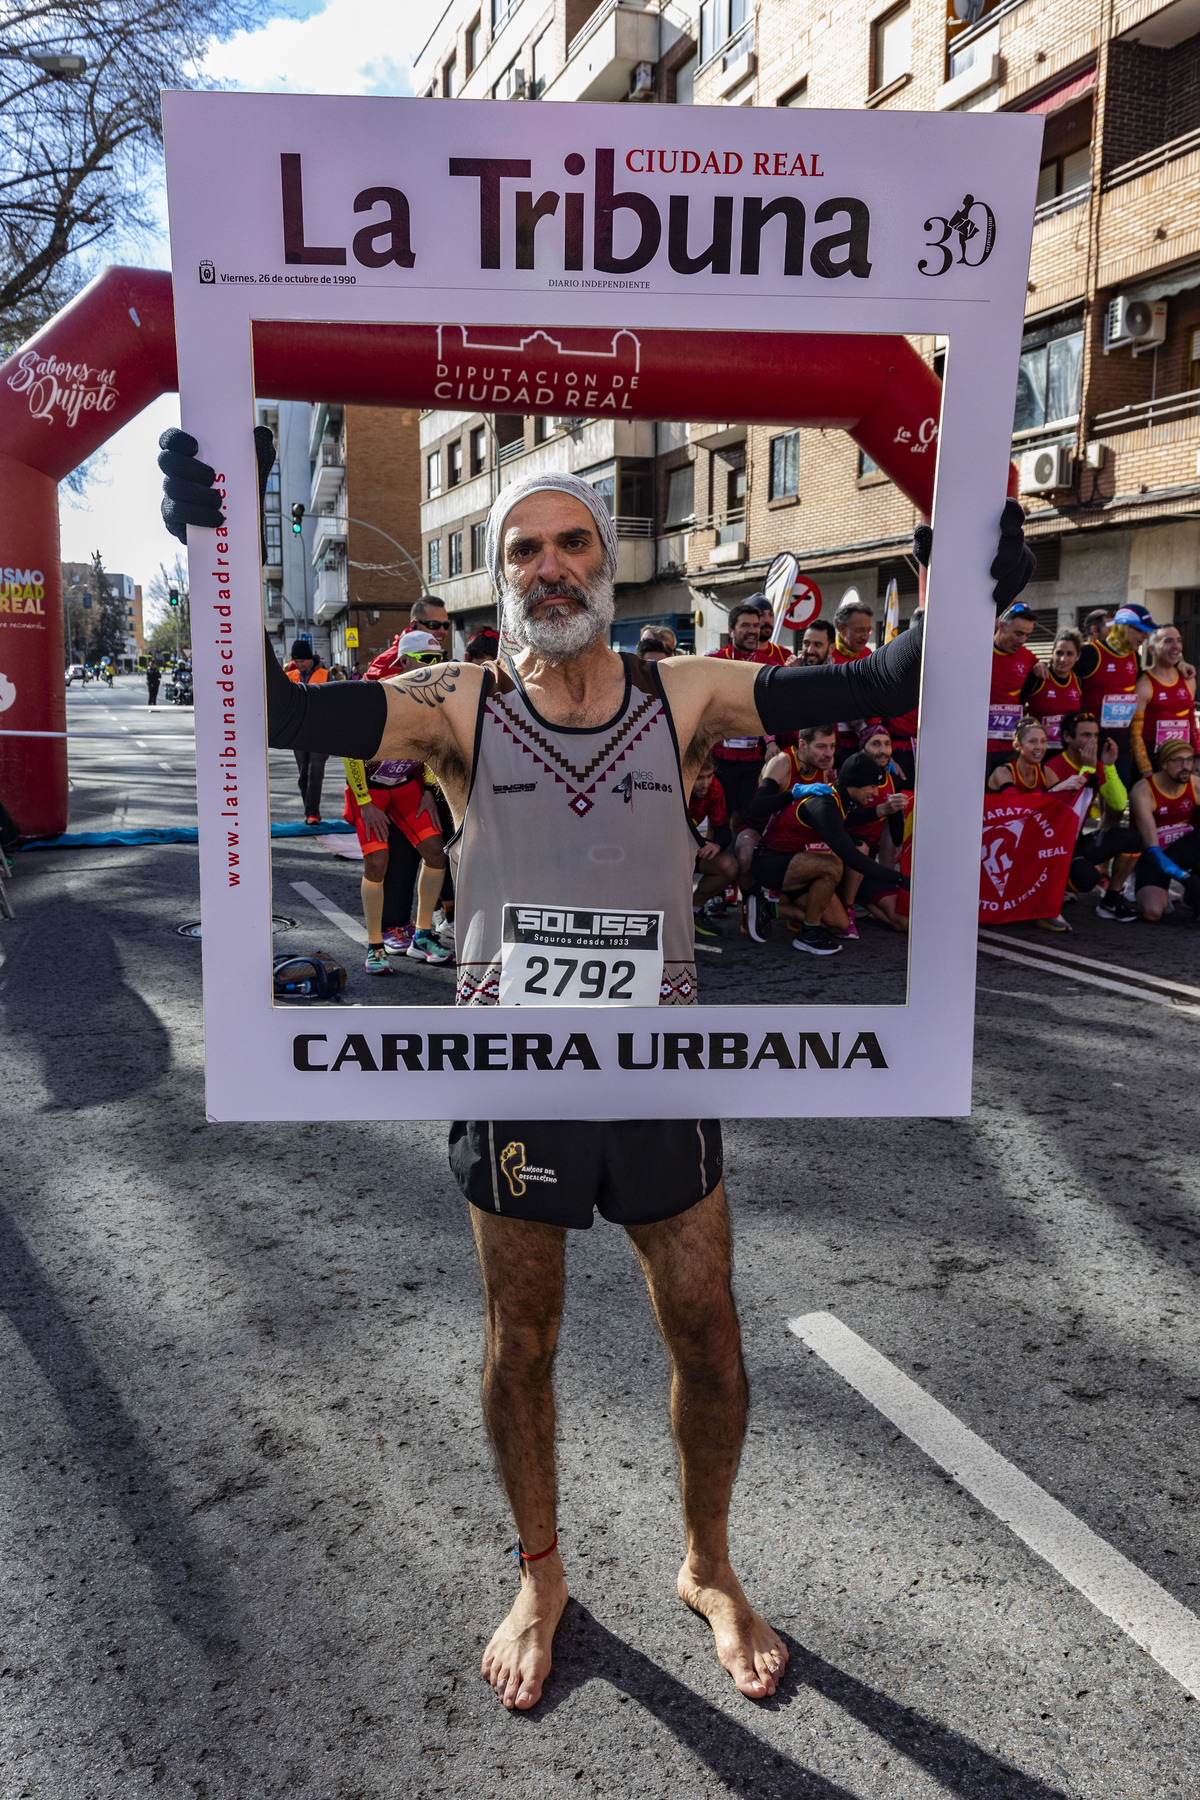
(554, 1171)
(739, 782)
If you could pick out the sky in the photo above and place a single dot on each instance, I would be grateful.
(342, 47)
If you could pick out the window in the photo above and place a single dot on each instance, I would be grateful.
(603, 478)
(456, 562)
(543, 427)
(681, 495)
(722, 20)
(450, 79)
(1048, 383)
(866, 465)
(479, 450)
(500, 12)
(273, 531)
(797, 96)
(1065, 174)
(891, 48)
(474, 45)
(271, 497)
(785, 465)
(435, 559)
(685, 82)
(543, 50)
(454, 463)
(479, 545)
(433, 474)
(1194, 362)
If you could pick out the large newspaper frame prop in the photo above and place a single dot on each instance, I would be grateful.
(949, 203)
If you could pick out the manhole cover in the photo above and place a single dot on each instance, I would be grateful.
(279, 922)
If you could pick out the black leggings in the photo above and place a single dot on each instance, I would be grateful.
(1096, 847)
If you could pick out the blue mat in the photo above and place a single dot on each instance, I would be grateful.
(171, 834)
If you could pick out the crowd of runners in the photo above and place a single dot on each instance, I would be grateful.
(806, 833)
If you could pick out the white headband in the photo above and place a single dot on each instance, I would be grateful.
(511, 496)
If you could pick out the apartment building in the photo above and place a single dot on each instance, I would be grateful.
(81, 611)
(288, 580)
(1106, 430)
(362, 494)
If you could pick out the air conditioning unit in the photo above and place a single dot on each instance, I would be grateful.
(1139, 323)
(513, 84)
(1043, 471)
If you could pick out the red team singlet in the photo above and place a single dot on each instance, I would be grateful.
(1010, 669)
(1027, 787)
(1051, 704)
(1109, 692)
(784, 829)
(1170, 713)
(1174, 818)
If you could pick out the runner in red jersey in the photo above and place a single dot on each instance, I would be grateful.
(1016, 675)
(1060, 692)
(1166, 700)
(878, 830)
(738, 761)
(1114, 843)
(1166, 810)
(853, 621)
(1108, 673)
(806, 763)
(716, 864)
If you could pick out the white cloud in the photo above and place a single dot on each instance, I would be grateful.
(351, 47)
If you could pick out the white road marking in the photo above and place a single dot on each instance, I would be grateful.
(1100, 981)
(1142, 1609)
(335, 915)
(1090, 962)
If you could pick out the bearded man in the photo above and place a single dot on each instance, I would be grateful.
(568, 768)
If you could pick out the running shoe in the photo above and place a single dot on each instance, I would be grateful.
(397, 938)
(312, 819)
(377, 962)
(703, 927)
(1116, 906)
(757, 917)
(1052, 924)
(851, 930)
(425, 948)
(816, 940)
(444, 934)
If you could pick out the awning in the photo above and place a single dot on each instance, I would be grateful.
(1161, 287)
(1074, 88)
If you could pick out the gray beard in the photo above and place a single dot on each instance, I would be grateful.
(559, 637)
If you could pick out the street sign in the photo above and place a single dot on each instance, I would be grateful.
(805, 604)
(795, 598)
(351, 637)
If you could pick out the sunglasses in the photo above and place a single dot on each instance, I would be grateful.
(423, 656)
(432, 625)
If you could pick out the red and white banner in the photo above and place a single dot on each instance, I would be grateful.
(1028, 840)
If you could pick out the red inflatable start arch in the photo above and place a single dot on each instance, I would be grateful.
(112, 351)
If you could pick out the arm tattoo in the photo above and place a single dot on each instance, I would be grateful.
(430, 686)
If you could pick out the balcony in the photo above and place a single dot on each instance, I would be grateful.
(629, 526)
(329, 476)
(717, 436)
(1147, 413)
(1150, 213)
(602, 57)
(329, 538)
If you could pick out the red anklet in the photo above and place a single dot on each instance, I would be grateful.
(524, 1556)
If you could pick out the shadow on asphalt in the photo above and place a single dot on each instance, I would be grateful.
(124, 1469)
(108, 1045)
(585, 1650)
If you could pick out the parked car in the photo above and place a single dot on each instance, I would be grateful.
(78, 672)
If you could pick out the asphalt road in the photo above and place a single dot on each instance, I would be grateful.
(252, 1540)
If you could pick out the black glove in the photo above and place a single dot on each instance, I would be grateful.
(1014, 562)
(189, 497)
(188, 494)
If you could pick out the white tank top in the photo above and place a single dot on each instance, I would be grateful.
(573, 817)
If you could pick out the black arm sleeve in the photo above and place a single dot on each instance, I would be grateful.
(1032, 684)
(339, 718)
(825, 817)
(881, 686)
(769, 798)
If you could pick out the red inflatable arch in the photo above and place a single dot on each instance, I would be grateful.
(112, 351)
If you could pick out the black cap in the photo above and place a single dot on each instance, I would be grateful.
(301, 648)
(859, 770)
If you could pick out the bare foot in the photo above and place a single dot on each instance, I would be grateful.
(753, 1654)
(517, 1661)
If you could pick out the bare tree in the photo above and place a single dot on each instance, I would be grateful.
(77, 150)
(172, 630)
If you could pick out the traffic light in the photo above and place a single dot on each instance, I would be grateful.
(298, 517)
(173, 596)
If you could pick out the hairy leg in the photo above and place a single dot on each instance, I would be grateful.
(522, 1267)
(686, 1264)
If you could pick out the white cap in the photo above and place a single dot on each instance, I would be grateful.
(417, 643)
